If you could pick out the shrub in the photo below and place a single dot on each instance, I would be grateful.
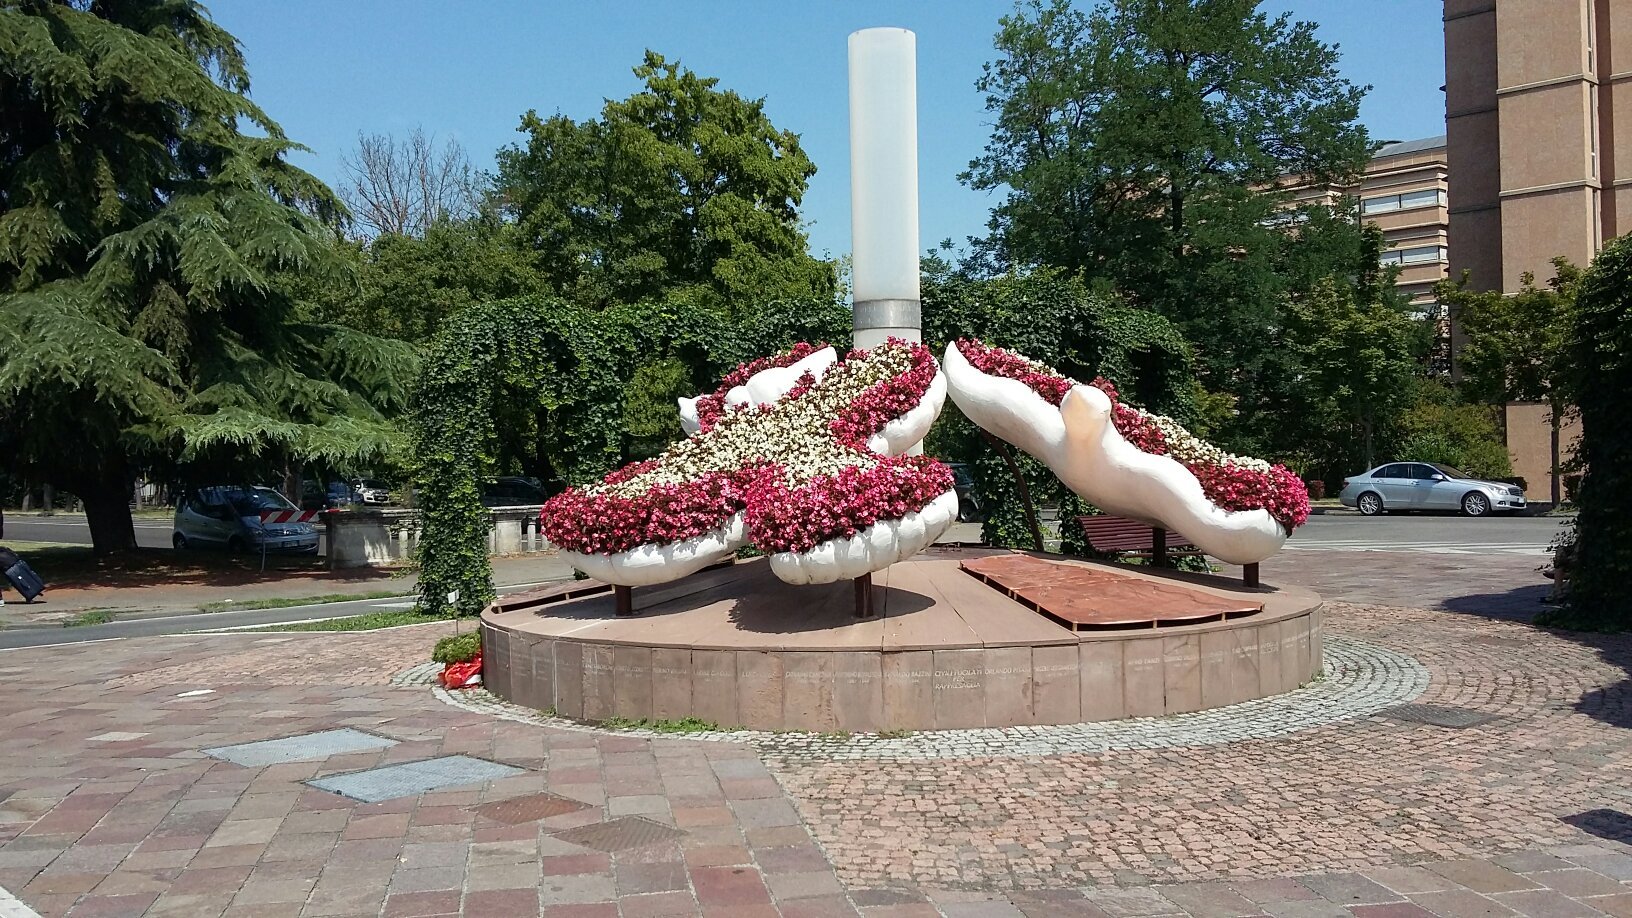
(458, 648)
(1600, 352)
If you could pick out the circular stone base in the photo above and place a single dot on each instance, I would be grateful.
(737, 647)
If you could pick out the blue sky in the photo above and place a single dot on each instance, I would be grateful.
(326, 70)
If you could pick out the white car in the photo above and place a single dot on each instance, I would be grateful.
(229, 516)
(1428, 486)
(370, 491)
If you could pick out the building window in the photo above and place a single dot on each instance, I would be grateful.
(1415, 255)
(1382, 204)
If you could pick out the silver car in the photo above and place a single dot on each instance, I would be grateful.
(1427, 486)
(230, 517)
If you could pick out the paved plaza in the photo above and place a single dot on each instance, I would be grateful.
(1449, 763)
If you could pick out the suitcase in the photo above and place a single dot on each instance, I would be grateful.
(25, 580)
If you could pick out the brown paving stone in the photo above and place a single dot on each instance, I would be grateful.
(1210, 900)
(1482, 876)
(1620, 905)
(1409, 879)
(1545, 903)
(1349, 889)
(1461, 903)
(659, 905)
(1578, 882)
(421, 904)
(1390, 910)
(728, 886)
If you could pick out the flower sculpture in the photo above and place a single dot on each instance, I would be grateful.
(800, 454)
(1128, 461)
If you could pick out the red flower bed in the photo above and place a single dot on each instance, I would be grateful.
(782, 516)
(886, 401)
(1231, 487)
(601, 523)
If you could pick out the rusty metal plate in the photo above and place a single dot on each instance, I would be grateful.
(531, 808)
(620, 834)
(1088, 597)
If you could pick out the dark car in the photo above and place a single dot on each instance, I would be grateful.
(513, 491)
(969, 507)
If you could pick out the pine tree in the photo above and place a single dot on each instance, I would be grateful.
(148, 221)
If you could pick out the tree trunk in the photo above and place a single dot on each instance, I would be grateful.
(1555, 422)
(1021, 487)
(1366, 443)
(106, 497)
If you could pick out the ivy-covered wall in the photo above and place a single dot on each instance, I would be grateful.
(539, 387)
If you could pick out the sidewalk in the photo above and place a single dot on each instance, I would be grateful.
(217, 579)
(110, 806)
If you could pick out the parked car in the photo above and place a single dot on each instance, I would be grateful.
(513, 491)
(969, 508)
(229, 516)
(317, 496)
(370, 491)
(1428, 486)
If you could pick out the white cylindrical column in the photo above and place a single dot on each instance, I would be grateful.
(884, 185)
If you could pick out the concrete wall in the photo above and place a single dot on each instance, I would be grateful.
(1529, 445)
(367, 538)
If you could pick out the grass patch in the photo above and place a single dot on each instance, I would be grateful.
(231, 605)
(894, 734)
(371, 621)
(684, 725)
(89, 617)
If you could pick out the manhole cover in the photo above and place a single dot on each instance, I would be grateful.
(1438, 715)
(302, 748)
(410, 779)
(530, 808)
(619, 834)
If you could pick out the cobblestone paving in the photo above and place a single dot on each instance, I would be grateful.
(108, 808)
(1366, 794)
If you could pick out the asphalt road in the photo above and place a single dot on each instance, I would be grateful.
(11, 639)
(71, 529)
(1419, 529)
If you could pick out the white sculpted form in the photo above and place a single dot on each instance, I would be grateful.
(767, 386)
(909, 429)
(872, 549)
(1079, 443)
(646, 565)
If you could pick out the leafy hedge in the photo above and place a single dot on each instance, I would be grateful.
(1601, 354)
(538, 386)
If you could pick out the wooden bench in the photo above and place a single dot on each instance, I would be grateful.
(1119, 534)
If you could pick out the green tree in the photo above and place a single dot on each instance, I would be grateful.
(1599, 353)
(679, 185)
(142, 236)
(1438, 426)
(1355, 363)
(1516, 348)
(405, 286)
(1147, 142)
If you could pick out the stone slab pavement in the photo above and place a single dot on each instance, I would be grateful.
(109, 807)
